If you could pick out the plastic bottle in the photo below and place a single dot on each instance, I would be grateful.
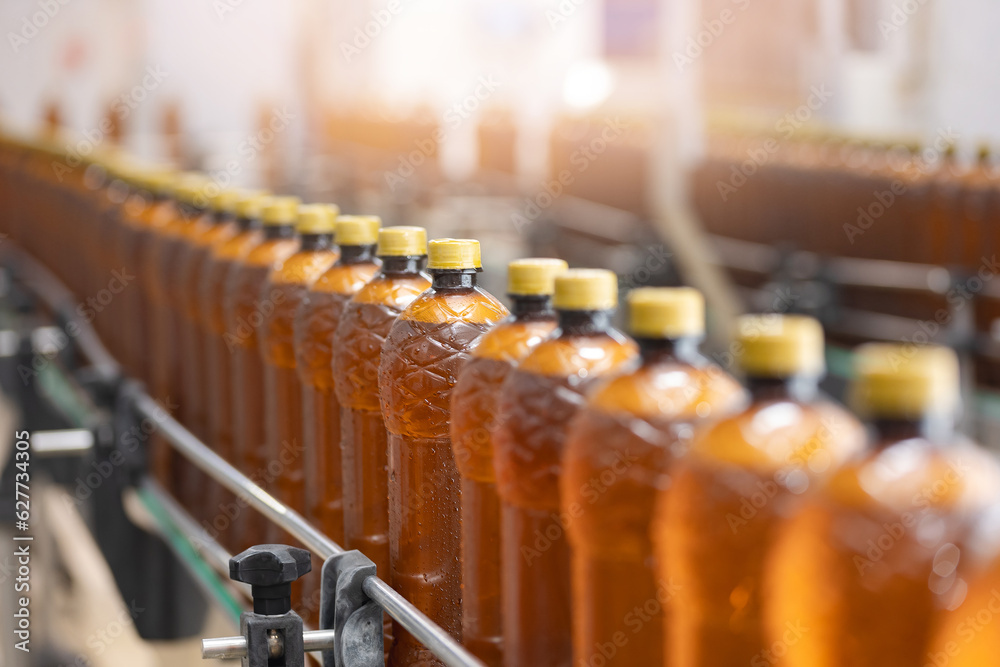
(357, 352)
(423, 353)
(474, 409)
(315, 323)
(284, 293)
(740, 477)
(619, 455)
(223, 510)
(537, 402)
(246, 305)
(888, 540)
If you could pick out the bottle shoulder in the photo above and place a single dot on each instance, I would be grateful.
(512, 340)
(392, 291)
(271, 252)
(473, 306)
(772, 435)
(670, 391)
(344, 279)
(302, 267)
(580, 355)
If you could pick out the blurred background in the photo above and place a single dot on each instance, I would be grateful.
(830, 157)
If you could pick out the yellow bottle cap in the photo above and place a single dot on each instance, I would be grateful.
(453, 254)
(586, 289)
(402, 241)
(534, 277)
(189, 188)
(317, 219)
(358, 229)
(666, 312)
(158, 180)
(250, 203)
(280, 210)
(780, 345)
(225, 201)
(899, 381)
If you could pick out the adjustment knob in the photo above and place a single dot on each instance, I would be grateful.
(270, 570)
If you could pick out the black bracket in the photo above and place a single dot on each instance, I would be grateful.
(346, 608)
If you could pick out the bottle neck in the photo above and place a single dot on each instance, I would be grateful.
(279, 231)
(799, 388)
(584, 322)
(937, 428)
(357, 254)
(409, 265)
(532, 308)
(224, 217)
(317, 242)
(662, 350)
(453, 279)
(246, 224)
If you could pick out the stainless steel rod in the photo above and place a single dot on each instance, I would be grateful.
(214, 553)
(234, 648)
(431, 635)
(224, 473)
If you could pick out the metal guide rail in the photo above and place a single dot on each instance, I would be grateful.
(353, 597)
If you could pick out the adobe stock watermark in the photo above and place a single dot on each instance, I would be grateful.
(246, 326)
(581, 159)
(900, 15)
(778, 649)
(248, 150)
(656, 259)
(883, 200)
(634, 621)
(786, 126)
(33, 24)
(562, 12)
(87, 311)
(364, 35)
(122, 107)
(966, 630)
(710, 30)
(454, 116)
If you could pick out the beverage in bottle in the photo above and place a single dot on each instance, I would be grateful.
(968, 635)
(246, 306)
(223, 508)
(619, 455)
(537, 402)
(193, 263)
(285, 291)
(474, 415)
(888, 539)
(315, 325)
(423, 353)
(357, 352)
(741, 475)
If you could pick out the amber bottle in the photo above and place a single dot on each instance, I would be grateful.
(357, 352)
(619, 455)
(223, 508)
(421, 358)
(538, 400)
(716, 525)
(284, 293)
(246, 305)
(474, 413)
(888, 540)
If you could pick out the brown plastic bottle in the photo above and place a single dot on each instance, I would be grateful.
(223, 508)
(285, 291)
(194, 261)
(888, 540)
(537, 402)
(357, 352)
(716, 525)
(315, 325)
(423, 353)
(619, 454)
(474, 418)
(968, 635)
(246, 306)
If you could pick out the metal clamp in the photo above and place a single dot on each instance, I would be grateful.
(355, 618)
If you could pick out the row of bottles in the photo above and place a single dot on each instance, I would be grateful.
(546, 488)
